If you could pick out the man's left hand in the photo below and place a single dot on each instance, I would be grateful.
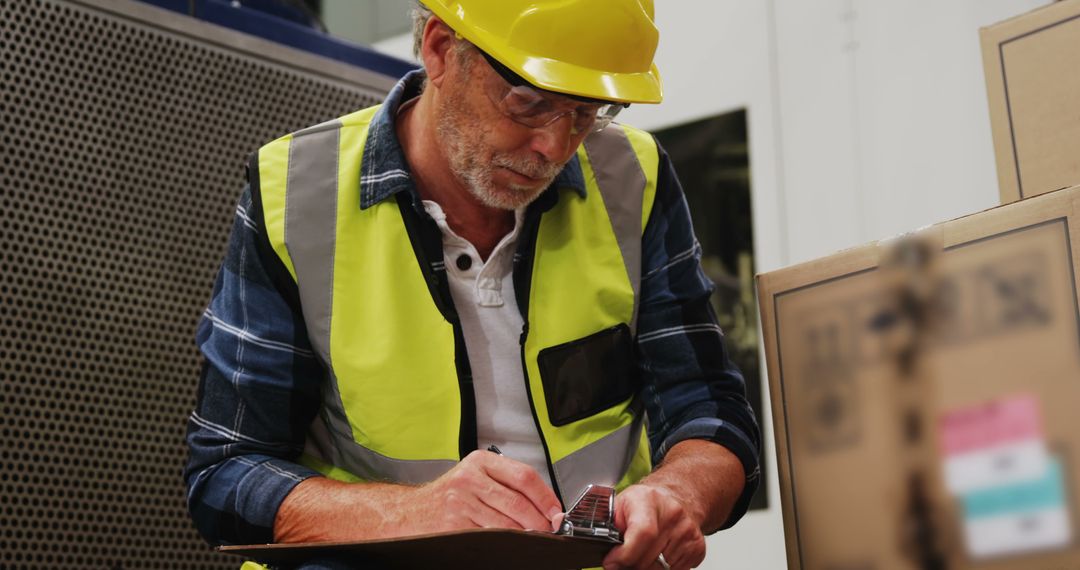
(654, 521)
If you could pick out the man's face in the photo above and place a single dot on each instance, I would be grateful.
(504, 164)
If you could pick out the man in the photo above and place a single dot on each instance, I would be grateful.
(477, 262)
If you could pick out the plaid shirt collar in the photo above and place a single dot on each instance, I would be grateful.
(383, 170)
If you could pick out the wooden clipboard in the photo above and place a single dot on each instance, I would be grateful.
(475, 548)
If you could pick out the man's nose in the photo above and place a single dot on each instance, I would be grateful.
(554, 139)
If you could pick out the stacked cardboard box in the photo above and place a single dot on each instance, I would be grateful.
(944, 428)
(925, 389)
(1032, 65)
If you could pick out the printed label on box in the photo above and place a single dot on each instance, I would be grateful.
(1012, 492)
(1019, 518)
(1000, 443)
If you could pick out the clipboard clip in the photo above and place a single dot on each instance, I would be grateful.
(592, 516)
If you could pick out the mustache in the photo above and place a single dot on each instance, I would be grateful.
(533, 168)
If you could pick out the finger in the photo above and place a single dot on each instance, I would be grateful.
(640, 535)
(556, 521)
(680, 539)
(524, 480)
(514, 505)
(484, 516)
(652, 555)
(686, 549)
(685, 546)
(640, 558)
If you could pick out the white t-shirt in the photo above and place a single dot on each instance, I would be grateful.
(483, 294)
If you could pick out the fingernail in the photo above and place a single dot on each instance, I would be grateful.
(554, 512)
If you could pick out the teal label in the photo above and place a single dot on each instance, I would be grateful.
(1041, 494)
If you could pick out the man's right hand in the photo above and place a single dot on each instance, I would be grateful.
(487, 490)
(484, 490)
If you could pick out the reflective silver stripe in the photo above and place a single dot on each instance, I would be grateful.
(310, 236)
(603, 462)
(342, 451)
(622, 185)
(311, 225)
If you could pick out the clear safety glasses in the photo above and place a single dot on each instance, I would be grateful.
(535, 108)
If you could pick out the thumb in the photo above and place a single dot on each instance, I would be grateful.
(556, 521)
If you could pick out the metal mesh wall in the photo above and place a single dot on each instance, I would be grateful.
(122, 147)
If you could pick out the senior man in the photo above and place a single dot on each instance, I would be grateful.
(482, 260)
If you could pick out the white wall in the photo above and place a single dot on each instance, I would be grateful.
(367, 21)
(867, 118)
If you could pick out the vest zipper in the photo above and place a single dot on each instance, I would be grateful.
(536, 418)
(522, 274)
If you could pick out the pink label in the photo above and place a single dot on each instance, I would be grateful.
(994, 424)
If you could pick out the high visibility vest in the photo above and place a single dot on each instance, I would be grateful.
(397, 403)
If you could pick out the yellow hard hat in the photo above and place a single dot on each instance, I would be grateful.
(599, 49)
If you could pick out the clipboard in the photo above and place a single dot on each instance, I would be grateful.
(473, 548)
(586, 536)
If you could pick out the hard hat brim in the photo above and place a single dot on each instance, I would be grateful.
(560, 76)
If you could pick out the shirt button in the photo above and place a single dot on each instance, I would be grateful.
(464, 262)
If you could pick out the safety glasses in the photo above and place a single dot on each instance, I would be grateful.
(534, 108)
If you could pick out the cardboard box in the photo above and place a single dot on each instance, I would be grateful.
(926, 395)
(1032, 65)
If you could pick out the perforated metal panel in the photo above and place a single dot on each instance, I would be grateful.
(123, 135)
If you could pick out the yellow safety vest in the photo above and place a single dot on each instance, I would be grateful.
(398, 399)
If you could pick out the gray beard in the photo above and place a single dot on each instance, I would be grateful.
(462, 153)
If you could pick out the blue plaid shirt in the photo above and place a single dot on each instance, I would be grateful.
(260, 384)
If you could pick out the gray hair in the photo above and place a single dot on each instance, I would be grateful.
(420, 15)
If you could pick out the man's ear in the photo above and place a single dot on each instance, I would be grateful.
(437, 49)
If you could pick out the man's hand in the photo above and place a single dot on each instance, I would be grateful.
(691, 493)
(486, 490)
(654, 521)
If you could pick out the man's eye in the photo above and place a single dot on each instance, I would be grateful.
(583, 122)
(524, 96)
(588, 111)
(527, 106)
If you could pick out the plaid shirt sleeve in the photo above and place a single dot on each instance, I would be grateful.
(258, 391)
(692, 388)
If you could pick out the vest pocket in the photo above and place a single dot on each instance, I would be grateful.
(586, 376)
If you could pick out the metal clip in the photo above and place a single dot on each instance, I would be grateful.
(592, 515)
